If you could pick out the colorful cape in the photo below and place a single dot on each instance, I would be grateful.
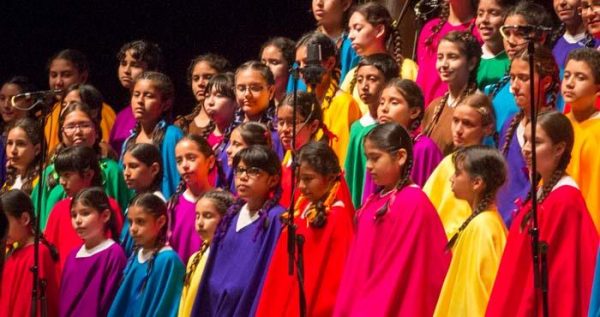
(397, 263)
(90, 280)
(236, 268)
(565, 225)
(475, 260)
(184, 239)
(189, 292)
(161, 290)
(325, 251)
(124, 123)
(356, 160)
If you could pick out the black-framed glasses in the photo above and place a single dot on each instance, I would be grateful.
(252, 172)
(83, 126)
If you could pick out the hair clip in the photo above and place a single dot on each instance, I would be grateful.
(395, 24)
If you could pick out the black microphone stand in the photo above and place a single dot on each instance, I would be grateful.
(539, 249)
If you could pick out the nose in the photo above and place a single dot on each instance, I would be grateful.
(319, 4)
(12, 148)
(569, 81)
(128, 70)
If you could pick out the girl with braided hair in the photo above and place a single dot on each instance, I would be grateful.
(323, 215)
(152, 101)
(245, 239)
(565, 226)
(91, 274)
(210, 209)
(457, 60)
(515, 42)
(546, 85)
(17, 278)
(472, 121)
(201, 70)
(455, 15)
(572, 33)
(220, 106)
(373, 73)
(23, 148)
(396, 263)
(339, 109)
(197, 165)
(372, 31)
(494, 61)
(478, 244)
(153, 278)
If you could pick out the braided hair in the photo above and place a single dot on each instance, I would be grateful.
(489, 165)
(319, 157)
(221, 200)
(560, 130)
(391, 137)
(33, 130)
(96, 198)
(166, 89)
(15, 203)
(266, 160)
(154, 206)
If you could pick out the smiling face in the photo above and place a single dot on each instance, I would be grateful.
(578, 86)
(8, 112)
(20, 152)
(566, 10)
(253, 92)
(363, 35)
(489, 20)
(207, 218)
(452, 65)
(130, 68)
(590, 14)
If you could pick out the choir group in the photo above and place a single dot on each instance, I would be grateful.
(390, 187)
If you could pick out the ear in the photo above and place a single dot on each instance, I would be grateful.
(161, 221)
(273, 180)
(271, 90)
(346, 4)
(25, 219)
(402, 156)
(88, 175)
(546, 83)
(329, 63)
(105, 215)
(84, 77)
(314, 126)
(488, 130)
(477, 184)
(38, 147)
(473, 63)
(414, 113)
(211, 162)
(559, 149)
(380, 31)
(154, 169)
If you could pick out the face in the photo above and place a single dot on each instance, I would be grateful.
(452, 65)
(462, 183)
(78, 128)
(566, 10)
(129, 68)
(207, 219)
(73, 181)
(364, 35)
(252, 91)
(393, 107)
(467, 128)
(273, 57)
(201, 74)
(8, 112)
(385, 168)
(144, 227)
(138, 176)
(547, 153)
(514, 42)
(236, 144)
(578, 86)
(64, 74)
(146, 101)
(590, 14)
(192, 165)
(71, 97)
(219, 107)
(304, 131)
(313, 185)
(489, 20)
(329, 12)
(19, 229)
(370, 82)
(20, 152)
(252, 182)
(88, 222)
(520, 81)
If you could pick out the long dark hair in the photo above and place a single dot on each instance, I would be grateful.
(79, 158)
(148, 154)
(96, 198)
(33, 130)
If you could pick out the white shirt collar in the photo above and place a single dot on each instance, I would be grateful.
(367, 120)
(572, 39)
(245, 219)
(142, 258)
(86, 253)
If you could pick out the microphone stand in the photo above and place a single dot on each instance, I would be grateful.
(539, 248)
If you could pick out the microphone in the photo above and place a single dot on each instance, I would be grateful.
(313, 70)
(527, 31)
(38, 96)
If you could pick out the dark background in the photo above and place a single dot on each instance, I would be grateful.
(32, 31)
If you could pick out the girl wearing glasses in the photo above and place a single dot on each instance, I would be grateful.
(79, 127)
(396, 263)
(245, 239)
(590, 14)
(324, 216)
(572, 33)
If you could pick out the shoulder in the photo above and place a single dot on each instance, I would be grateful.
(168, 257)
(109, 164)
(173, 132)
(487, 223)
(429, 25)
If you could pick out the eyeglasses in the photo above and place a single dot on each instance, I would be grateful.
(524, 32)
(83, 126)
(282, 124)
(253, 89)
(252, 172)
(583, 9)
